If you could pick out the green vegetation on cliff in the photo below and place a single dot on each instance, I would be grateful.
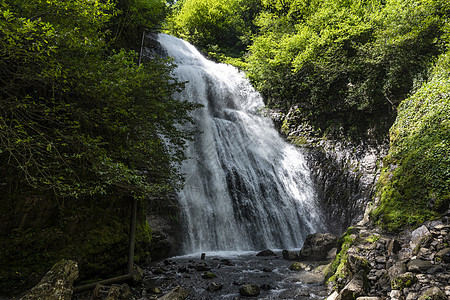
(415, 184)
(344, 65)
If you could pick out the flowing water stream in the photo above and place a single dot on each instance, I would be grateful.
(246, 188)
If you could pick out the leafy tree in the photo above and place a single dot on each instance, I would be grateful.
(77, 119)
(217, 27)
(344, 62)
(134, 16)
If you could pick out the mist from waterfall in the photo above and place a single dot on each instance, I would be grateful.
(246, 188)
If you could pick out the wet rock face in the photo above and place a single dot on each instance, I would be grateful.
(345, 177)
(344, 173)
(57, 284)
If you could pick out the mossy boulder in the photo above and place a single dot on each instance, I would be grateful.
(403, 281)
(209, 275)
(298, 266)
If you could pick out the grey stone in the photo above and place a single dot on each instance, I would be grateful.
(331, 254)
(317, 246)
(444, 255)
(418, 235)
(412, 296)
(396, 295)
(298, 266)
(358, 263)
(290, 255)
(249, 290)
(419, 265)
(433, 293)
(403, 281)
(57, 284)
(214, 286)
(357, 287)
(333, 296)
(137, 275)
(396, 269)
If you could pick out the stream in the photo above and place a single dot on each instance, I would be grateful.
(233, 270)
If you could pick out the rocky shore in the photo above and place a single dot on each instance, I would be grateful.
(365, 263)
(372, 264)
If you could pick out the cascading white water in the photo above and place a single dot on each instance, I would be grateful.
(246, 188)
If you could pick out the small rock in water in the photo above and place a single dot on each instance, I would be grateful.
(266, 252)
(298, 266)
(202, 267)
(290, 255)
(249, 290)
(209, 275)
(214, 286)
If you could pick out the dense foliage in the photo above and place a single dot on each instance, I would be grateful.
(415, 185)
(77, 117)
(219, 28)
(343, 64)
(83, 130)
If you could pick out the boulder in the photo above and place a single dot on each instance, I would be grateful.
(202, 267)
(443, 255)
(357, 287)
(214, 286)
(290, 255)
(403, 281)
(57, 284)
(298, 266)
(395, 295)
(332, 254)
(249, 290)
(317, 246)
(419, 265)
(177, 293)
(433, 293)
(266, 252)
(397, 269)
(417, 236)
(357, 263)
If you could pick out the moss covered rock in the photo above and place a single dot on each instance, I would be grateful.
(403, 281)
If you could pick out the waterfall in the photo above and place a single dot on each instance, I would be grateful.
(246, 188)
